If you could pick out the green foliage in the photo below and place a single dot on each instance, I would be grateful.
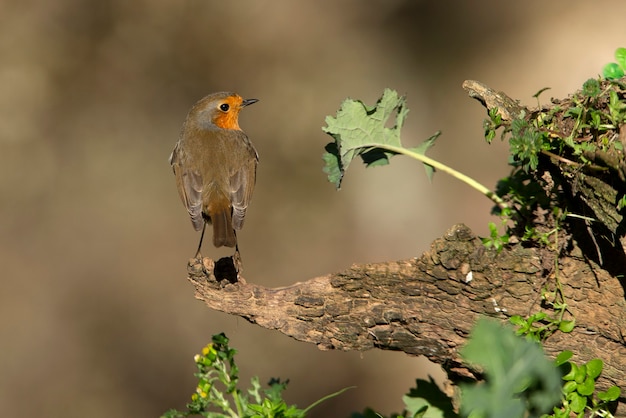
(495, 240)
(363, 131)
(617, 110)
(579, 397)
(539, 325)
(526, 143)
(492, 124)
(520, 382)
(615, 70)
(524, 194)
(519, 378)
(217, 394)
(563, 139)
(425, 400)
(593, 115)
(612, 71)
(597, 112)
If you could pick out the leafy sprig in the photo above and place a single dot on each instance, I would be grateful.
(519, 380)
(579, 395)
(359, 130)
(217, 393)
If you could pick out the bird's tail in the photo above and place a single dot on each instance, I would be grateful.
(223, 232)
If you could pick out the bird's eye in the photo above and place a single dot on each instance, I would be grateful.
(224, 107)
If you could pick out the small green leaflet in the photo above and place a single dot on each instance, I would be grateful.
(361, 130)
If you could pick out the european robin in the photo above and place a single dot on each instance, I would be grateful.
(215, 167)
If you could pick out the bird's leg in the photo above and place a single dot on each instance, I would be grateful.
(198, 255)
(237, 258)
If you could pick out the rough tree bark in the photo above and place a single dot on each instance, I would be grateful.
(427, 305)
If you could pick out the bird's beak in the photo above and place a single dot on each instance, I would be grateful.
(248, 102)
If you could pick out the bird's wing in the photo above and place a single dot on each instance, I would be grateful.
(242, 184)
(189, 184)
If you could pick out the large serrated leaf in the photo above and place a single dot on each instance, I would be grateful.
(361, 130)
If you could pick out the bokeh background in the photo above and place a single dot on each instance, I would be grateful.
(96, 316)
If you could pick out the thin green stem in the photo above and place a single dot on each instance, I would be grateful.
(446, 169)
(237, 403)
(325, 398)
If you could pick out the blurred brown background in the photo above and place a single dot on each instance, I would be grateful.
(96, 316)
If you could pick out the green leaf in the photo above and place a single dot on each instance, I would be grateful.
(422, 148)
(612, 71)
(569, 386)
(539, 316)
(516, 319)
(559, 413)
(577, 402)
(509, 363)
(610, 395)
(419, 407)
(581, 374)
(571, 375)
(563, 357)
(616, 109)
(574, 112)
(255, 390)
(368, 132)
(427, 394)
(332, 164)
(358, 127)
(594, 368)
(421, 413)
(567, 326)
(587, 387)
(275, 389)
(620, 57)
(536, 95)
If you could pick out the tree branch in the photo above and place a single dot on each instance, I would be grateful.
(427, 305)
